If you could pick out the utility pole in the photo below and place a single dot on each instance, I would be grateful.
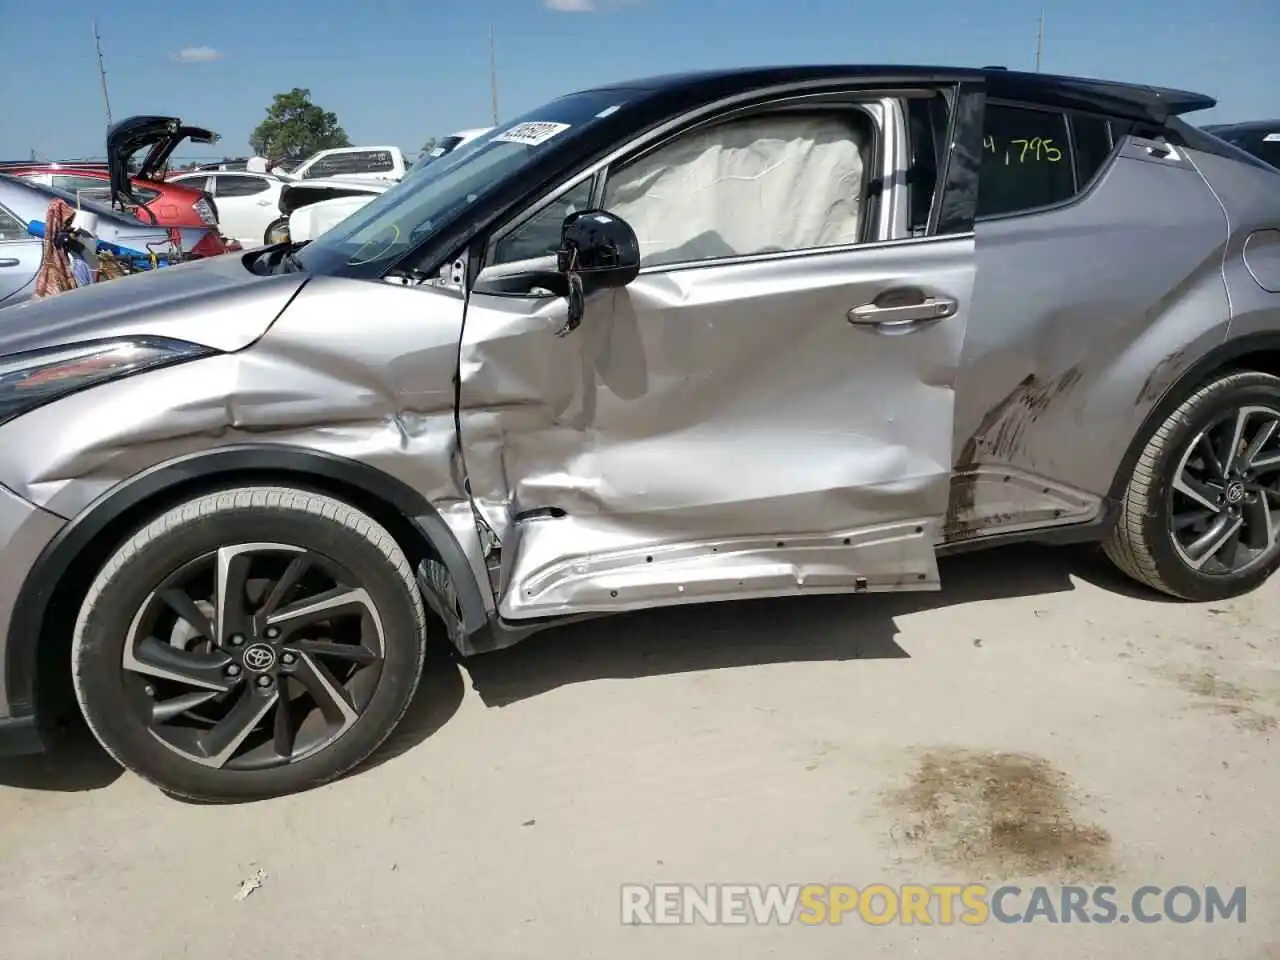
(1039, 41)
(102, 74)
(493, 76)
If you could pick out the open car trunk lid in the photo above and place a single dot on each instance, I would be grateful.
(161, 134)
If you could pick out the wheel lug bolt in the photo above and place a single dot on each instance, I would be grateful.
(273, 632)
(150, 691)
(288, 658)
(237, 640)
(233, 670)
(264, 681)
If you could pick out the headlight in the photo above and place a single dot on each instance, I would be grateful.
(32, 379)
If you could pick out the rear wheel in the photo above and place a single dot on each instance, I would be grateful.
(1200, 518)
(249, 643)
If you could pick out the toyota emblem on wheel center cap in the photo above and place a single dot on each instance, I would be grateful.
(259, 657)
(1235, 491)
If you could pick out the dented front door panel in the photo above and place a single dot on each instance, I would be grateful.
(717, 432)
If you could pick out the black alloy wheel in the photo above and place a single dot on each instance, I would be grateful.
(1224, 510)
(1200, 518)
(249, 643)
(254, 655)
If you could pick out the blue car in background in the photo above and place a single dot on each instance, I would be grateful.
(22, 202)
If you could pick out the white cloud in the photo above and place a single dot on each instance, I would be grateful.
(197, 55)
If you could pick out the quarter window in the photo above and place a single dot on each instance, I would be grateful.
(539, 236)
(771, 183)
(1091, 144)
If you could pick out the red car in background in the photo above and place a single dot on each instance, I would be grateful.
(143, 191)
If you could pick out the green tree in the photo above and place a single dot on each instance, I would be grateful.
(296, 127)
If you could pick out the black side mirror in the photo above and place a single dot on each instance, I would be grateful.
(598, 251)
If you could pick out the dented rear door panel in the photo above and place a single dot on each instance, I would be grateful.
(715, 432)
(1083, 316)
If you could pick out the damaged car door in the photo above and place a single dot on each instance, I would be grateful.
(766, 409)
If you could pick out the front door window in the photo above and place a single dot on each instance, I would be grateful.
(768, 184)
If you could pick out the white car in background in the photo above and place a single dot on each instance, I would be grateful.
(247, 203)
(349, 163)
(307, 218)
(314, 206)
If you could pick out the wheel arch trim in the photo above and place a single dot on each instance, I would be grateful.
(31, 609)
(1224, 356)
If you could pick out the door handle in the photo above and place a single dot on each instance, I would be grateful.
(264, 203)
(902, 314)
(8, 263)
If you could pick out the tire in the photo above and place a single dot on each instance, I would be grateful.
(343, 665)
(1142, 543)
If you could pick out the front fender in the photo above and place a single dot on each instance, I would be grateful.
(47, 601)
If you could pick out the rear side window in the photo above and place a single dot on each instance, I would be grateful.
(1026, 160)
(362, 161)
(324, 167)
(74, 184)
(234, 186)
(373, 161)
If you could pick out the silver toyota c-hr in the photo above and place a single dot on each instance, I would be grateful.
(697, 338)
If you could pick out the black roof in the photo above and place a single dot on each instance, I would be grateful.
(1157, 104)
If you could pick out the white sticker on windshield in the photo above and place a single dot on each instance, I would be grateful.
(1271, 138)
(532, 134)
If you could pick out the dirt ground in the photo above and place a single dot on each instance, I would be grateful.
(1038, 721)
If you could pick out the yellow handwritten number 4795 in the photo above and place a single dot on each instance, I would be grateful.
(1035, 150)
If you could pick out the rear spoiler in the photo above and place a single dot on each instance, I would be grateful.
(1130, 100)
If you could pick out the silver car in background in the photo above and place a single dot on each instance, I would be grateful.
(22, 203)
(697, 338)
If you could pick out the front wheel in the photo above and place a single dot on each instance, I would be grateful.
(249, 643)
(1200, 519)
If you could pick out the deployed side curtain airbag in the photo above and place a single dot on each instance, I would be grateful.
(761, 185)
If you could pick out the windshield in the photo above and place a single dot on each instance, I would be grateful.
(400, 219)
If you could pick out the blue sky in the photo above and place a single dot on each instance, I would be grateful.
(398, 71)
